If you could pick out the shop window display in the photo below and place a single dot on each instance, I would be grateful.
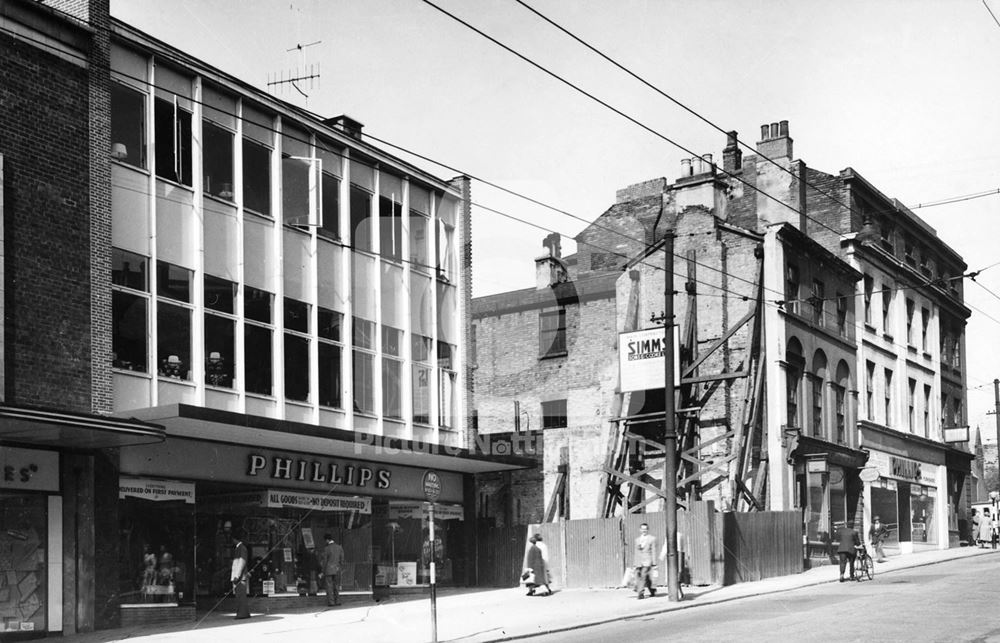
(157, 555)
(283, 545)
(22, 563)
(402, 547)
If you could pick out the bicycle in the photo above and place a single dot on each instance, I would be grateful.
(863, 564)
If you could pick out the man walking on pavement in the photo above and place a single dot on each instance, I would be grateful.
(241, 558)
(332, 559)
(877, 534)
(644, 559)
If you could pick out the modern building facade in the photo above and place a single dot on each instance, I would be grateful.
(782, 400)
(262, 326)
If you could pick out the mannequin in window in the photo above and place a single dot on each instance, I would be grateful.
(171, 367)
(215, 370)
(149, 567)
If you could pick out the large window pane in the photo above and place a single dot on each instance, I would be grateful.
(392, 374)
(256, 177)
(331, 206)
(364, 381)
(219, 350)
(419, 240)
(128, 125)
(129, 270)
(174, 341)
(296, 368)
(329, 375)
(329, 324)
(217, 158)
(296, 315)
(220, 294)
(295, 177)
(390, 213)
(257, 304)
(173, 142)
(361, 219)
(363, 333)
(128, 331)
(173, 281)
(421, 394)
(257, 342)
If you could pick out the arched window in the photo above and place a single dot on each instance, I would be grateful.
(819, 377)
(794, 367)
(840, 388)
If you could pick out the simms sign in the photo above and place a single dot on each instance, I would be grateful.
(640, 359)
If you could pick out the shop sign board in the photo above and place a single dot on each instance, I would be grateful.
(868, 474)
(412, 509)
(640, 359)
(156, 490)
(900, 468)
(28, 469)
(277, 498)
(266, 468)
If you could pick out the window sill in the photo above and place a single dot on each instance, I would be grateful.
(174, 183)
(261, 396)
(870, 328)
(887, 337)
(553, 355)
(219, 199)
(131, 372)
(174, 380)
(129, 166)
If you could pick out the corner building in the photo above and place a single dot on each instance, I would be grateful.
(263, 328)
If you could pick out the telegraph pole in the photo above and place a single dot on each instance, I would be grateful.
(669, 486)
(996, 413)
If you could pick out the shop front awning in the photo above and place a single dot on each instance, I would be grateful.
(52, 428)
(213, 425)
(809, 447)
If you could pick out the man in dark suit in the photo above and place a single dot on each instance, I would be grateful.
(849, 540)
(241, 559)
(332, 560)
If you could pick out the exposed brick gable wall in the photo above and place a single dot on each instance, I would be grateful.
(45, 145)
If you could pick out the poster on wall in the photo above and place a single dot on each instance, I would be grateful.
(155, 490)
(307, 537)
(406, 574)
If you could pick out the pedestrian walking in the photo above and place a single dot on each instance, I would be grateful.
(849, 540)
(986, 527)
(536, 569)
(644, 559)
(995, 528)
(877, 534)
(974, 520)
(332, 561)
(241, 558)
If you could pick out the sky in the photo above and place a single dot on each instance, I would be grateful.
(904, 92)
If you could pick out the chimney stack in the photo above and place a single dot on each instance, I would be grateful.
(549, 268)
(732, 156)
(775, 142)
(346, 124)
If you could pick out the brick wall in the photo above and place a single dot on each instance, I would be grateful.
(45, 142)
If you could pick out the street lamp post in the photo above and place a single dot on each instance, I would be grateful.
(669, 486)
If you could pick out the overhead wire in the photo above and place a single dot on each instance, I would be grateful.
(362, 162)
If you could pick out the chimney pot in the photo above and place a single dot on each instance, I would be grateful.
(763, 132)
(707, 158)
(685, 168)
(783, 128)
(774, 130)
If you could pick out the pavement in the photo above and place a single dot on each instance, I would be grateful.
(474, 615)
